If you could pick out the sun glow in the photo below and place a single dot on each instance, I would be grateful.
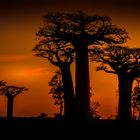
(31, 72)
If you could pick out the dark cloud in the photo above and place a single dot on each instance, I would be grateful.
(38, 4)
(27, 8)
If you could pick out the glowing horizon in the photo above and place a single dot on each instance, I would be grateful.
(18, 66)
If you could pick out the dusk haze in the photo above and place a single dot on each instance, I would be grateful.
(20, 33)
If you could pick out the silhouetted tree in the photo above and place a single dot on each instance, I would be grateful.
(2, 84)
(61, 55)
(94, 113)
(81, 31)
(93, 110)
(57, 90)
(125, 62)
(11, 92)
(43, 115)
(135, 99)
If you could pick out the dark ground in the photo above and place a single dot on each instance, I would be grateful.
(44, 128)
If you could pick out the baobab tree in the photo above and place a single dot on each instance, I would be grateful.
(11, 92)
(125, 62)
(57, 90)
(81, 31)
(60, 54)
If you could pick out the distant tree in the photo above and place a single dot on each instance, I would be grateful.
(94, 105)
(43, 115)
(2, 84)
(125, 62)
(81, 31)
(11, 92)
(57, 90)
(94, 110)
(135, 99)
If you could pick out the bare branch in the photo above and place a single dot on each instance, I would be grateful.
(104, 68)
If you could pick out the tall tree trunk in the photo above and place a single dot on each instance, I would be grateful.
(10, 107)
(61, 108)
(82, 82)
(68, 91)
(125, 88)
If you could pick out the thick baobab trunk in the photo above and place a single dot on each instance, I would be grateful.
(82, 83)
(68, 91)
(10, 107)
(124, 108)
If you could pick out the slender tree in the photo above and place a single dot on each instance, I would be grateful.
(11, 92)
(94, 113)
(125, 62)
(81, 31)
(60, 54)
(57, 90)
(135, 99)
(94, 110)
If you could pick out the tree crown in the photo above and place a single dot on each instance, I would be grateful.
(121, 60)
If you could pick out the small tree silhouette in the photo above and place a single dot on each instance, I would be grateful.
(125, 62)
(94, 113)
(135, 99)
(43, 115)
(57, 90)
(2, 84)
(11, 92)
(81, 31)
(93, 110)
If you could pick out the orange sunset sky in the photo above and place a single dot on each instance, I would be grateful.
(19, 22)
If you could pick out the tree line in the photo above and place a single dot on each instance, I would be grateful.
(67, 38)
